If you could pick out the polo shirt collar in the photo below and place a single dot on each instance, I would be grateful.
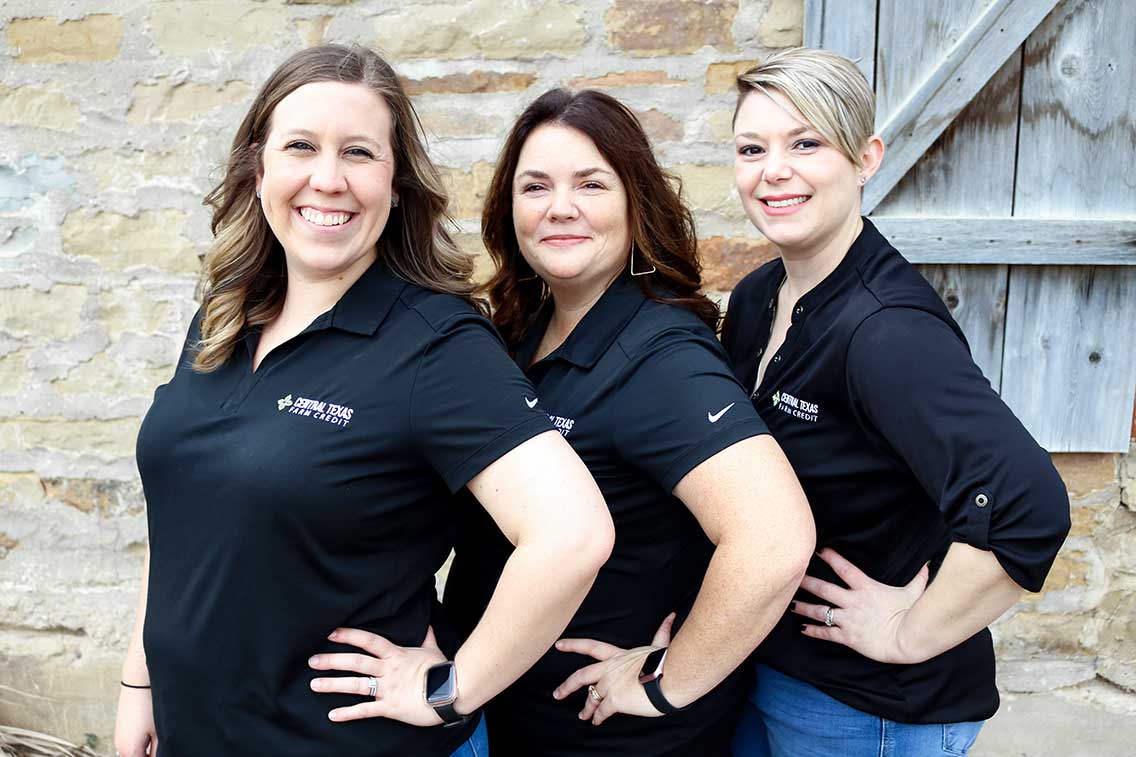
(595, 332)
(364, 306)
(866, 245)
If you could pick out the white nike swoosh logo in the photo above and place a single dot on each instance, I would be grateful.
(714, 418)
(531, 403)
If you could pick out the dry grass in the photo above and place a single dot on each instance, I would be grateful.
(17, 742)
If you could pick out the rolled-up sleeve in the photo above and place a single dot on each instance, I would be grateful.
(912, 380)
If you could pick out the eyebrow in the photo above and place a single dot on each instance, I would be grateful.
(581, 174)
(348, 138)
(792, 132)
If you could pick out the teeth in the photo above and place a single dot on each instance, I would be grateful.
(785, 203)
(324, 219)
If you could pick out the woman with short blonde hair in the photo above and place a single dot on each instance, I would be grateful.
(913, 467)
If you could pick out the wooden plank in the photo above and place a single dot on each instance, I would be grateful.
(1077, 139)
(847, 27)
(1078, 99)
(1069, 366)
(983, 138)
(960, 74)
(1024, 241)
(976, 297)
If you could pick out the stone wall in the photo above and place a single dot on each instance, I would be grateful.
(116, 117)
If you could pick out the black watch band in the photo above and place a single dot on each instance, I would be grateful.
(450, 717)
(654, 691)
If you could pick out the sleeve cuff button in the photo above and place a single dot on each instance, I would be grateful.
(981, 500)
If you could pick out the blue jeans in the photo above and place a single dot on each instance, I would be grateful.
(786, 717)
(477, 745)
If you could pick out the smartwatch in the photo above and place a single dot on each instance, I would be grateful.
(441, 692)
(651, 676)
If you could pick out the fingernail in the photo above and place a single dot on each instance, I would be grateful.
(313, 660)
(333, 634)
(556, 695)
(315, 684)
(580, 716)
(559, 645)
(333, 715)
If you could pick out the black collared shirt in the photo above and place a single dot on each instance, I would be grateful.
(314, 493)
(902, 448)
(643, 393)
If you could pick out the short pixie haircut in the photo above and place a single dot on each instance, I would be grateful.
(828, 89)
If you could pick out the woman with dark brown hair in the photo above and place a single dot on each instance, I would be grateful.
(597, 297)
(299, 466)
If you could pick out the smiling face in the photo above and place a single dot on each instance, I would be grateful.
(799, 190)
(570, 211)
(325, 178)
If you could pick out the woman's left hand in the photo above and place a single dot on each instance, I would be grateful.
(615, 677)
(868, 616)
(400, 673)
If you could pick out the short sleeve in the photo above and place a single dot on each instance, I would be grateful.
(912, 379)
(470, 404)
(678, 404)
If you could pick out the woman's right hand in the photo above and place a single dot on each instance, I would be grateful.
(134, 734)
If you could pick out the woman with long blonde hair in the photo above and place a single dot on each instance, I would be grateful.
(336, 388)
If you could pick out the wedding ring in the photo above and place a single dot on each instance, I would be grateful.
(373, 686)
(828, 621)
(595, 694)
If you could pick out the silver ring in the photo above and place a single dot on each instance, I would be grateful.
(595, 694)
(828, 621)
(373, 686)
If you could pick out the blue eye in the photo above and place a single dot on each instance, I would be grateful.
(298, 145)
(360, 152)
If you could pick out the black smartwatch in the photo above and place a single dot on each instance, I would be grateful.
(650, 677)
(442, 691)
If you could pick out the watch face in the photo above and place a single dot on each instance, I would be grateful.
(441, 687)
(653, 666)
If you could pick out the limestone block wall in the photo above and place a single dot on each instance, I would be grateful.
(116, 116)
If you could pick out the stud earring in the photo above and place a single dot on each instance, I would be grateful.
(258, 194)
(863, 180)
(394, 201)
(639, 273)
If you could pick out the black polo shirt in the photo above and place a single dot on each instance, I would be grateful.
(643, 393)
(314, 493)
(902, 448)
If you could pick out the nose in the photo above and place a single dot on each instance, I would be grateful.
(563, 205)
(327, 174)
(776, 167)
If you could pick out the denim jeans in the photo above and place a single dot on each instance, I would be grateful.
(785, 717)
(477, 745)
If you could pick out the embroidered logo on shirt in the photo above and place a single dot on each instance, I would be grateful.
(796, 407)
(714, 417)
(532, 403)
(328, 412)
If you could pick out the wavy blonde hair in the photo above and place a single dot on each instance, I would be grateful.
(828, 89)
(244, 279)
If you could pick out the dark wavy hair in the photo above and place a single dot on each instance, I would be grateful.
(661, 225)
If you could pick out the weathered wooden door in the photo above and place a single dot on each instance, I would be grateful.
(1011, 134)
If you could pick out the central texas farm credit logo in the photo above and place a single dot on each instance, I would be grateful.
(796, 407)
(336, 415)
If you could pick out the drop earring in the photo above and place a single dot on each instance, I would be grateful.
(639, 273)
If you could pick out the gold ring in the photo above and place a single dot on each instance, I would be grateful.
(595, 694)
